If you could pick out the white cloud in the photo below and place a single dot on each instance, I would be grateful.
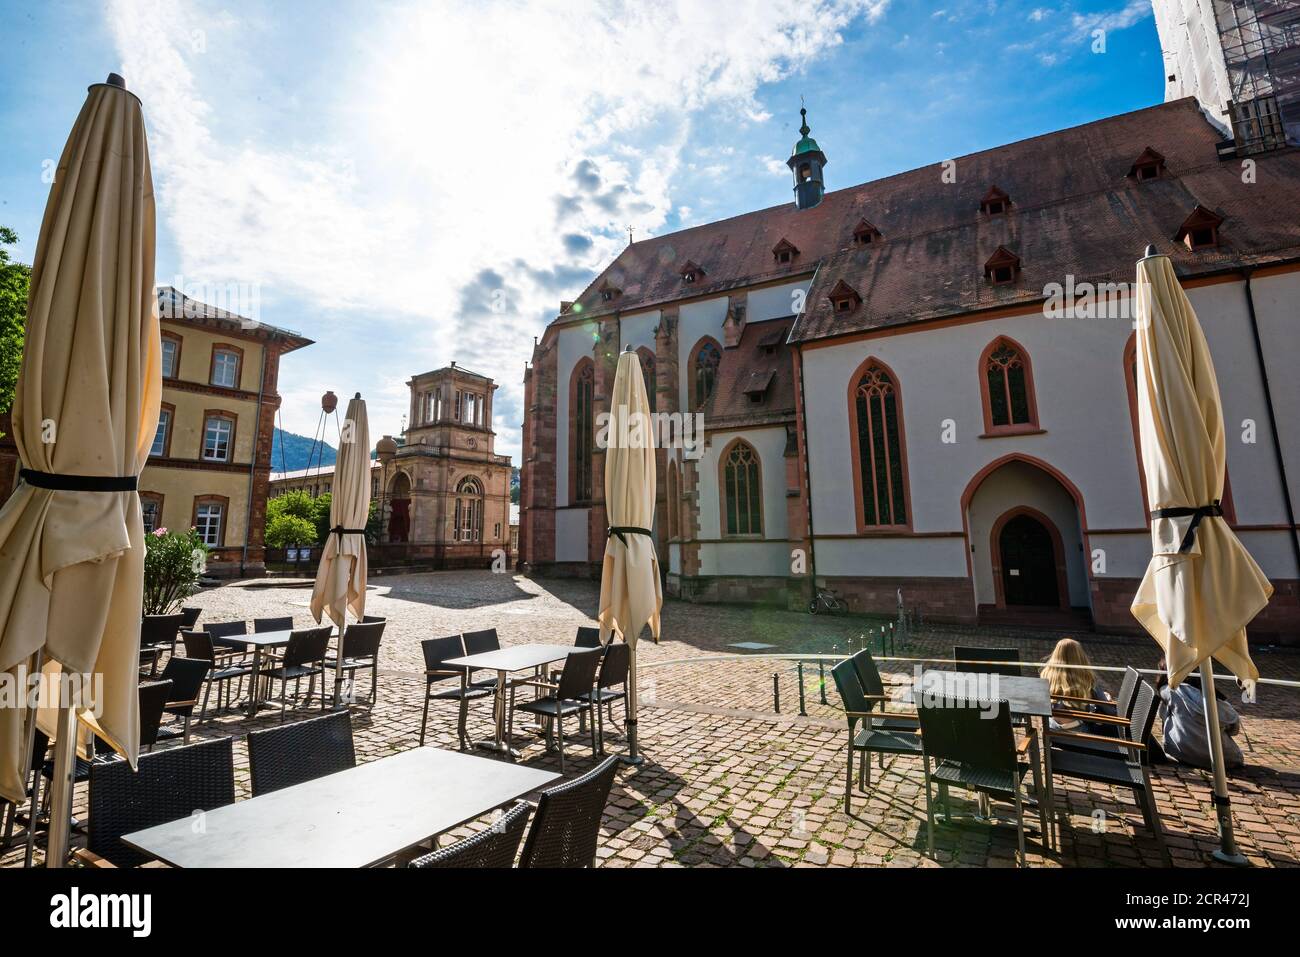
(461, 152)
(1133, 12)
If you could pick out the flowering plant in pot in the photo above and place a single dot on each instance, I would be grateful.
(174, 563)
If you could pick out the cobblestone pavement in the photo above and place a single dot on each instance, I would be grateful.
(728, 781)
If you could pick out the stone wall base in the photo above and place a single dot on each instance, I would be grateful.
(1278, 623)
(949, 600)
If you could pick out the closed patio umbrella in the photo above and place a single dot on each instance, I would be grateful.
(341, 577)
(84, 416)
(629, 581)
(1201, 587)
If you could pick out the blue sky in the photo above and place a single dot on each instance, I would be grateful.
(415, 183)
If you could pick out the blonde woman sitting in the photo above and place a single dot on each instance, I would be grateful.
(1069, 676)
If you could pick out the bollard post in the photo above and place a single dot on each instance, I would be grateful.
(821, 679)
(776, 692)
(803, 709)
(891, 638)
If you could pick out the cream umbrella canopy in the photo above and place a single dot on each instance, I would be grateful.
(1201, 587)
(85, 411)
(629, 581)
(341, 577)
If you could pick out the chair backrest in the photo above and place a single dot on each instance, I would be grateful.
(849, 685)
(868, 673)
(159, 629)
(273, 624)
(494, 846)
(361, 640)
(198, 644)
(614, 666)
(971, 653)
(579, 675)
(153, 696)
(587, 637)
(170, 784)
(566, 825)
(477, 642)
(189, 616)
(439, 650)
(292, 753)
(1127, 695)
(1146, 705)
(226, 629)
(187, 676)
(369, 619)
(306, 646)
(968, 733)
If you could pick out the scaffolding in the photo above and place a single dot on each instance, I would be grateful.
(1261, 50)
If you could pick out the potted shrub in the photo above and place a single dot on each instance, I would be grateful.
(174, 563)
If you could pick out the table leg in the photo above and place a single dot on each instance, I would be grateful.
(255, 681)
(1053, 832)
(500, 744)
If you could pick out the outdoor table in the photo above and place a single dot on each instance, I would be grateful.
(355, 818)
(504, 661)
(1026, 697)
(258, 640)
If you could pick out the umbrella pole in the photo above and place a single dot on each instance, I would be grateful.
(1227, 852)
(33, 772)
(633, 756)
(338, 658)
(65, 753)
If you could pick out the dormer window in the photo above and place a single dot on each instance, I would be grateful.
(785, 252)
(1200, 230)
(995, 202)
(864, 234)
(691, 273)
(844, 298)
(609, 293)
(771, 341)
(1150, 165)
(758, 384)
(1002, 267)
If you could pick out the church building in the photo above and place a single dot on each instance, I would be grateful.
(925, 383)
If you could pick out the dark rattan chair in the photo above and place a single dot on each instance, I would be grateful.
(158, 634)
(273, 624)
(189, 616)
(225, 636)
(887, 738)
(587, 637)
(495, 846)
(153, 696)
(187, 676)
(975, 749)
(1080, 708)
(613, 675)
(169, 785)
(571, 695)
(969, 653)
(1127, 770)
(12, 813)
(292, 753)
(225, 666)
(303, 657)
(360, 644)
(476, 643)
(436, 652)
(566, 825)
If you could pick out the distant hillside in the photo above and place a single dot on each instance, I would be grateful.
(296, 449)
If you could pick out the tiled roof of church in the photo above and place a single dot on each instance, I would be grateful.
(759, 365)
(1073, 210)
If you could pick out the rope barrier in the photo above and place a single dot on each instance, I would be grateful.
(708, 659)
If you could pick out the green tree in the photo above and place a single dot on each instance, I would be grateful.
(289, 531)
(296, 503)
(15, 280)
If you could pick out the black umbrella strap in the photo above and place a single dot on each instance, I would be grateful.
(340, 531)
(1203, 511)
(621, 531)
(80, 483)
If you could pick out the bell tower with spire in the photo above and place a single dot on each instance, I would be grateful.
(806, 162)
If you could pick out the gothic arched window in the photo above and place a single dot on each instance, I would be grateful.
(881, 475)
(469, 510)
(647, 360)
(704, 372)
(742, 490)
(582, 434)
(1008, 385)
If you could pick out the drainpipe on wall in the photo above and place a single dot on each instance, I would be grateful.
(252, 464)
(1272, 421)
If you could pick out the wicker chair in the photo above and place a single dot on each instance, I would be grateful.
(288, 755)
(970, 653)
(169, 785)
(476, 643)
(225, 666)
(571, 695)
(189, 616)
(304, 657)
(153, 697)
(494, 846)
(158, 634)
(436, 652)
(12, 813)
(1067, 706)
(566, 826)
(273, 624)
(587, 637)
(613, 674)
(895, 734)
(360, 644)
(225, 635)
(187, 676)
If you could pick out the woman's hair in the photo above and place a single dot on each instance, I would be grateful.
(1076, 682)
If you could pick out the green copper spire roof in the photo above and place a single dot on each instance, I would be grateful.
(807, 144)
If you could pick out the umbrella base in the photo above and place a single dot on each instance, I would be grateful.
(635, 760)
(1236, 860)
(500, 747)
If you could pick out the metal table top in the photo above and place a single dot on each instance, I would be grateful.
(1025, 696)
(514, 658)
